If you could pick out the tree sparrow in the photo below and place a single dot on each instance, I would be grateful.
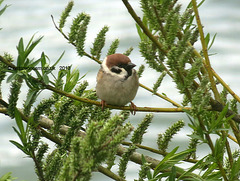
(117, 81)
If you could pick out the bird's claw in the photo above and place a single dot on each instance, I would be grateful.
(133, 108)
(103, 103)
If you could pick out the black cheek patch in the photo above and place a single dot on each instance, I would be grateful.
(116, 70)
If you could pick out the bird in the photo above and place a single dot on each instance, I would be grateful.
(117, 81)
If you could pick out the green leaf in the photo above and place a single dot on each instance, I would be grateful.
(19, 122)
(32, 64)
(58, 59)
(12, 77)
(7, 177)
(217, 123)
(43, 60)
(140, 33)
(32, 95)
(45, 79)
(235, 169)
(207, 39)
(171, 159)
(173, 174)
(194, 167)
(160, 166)
(32, 44)
(71, 80)
(3, 9)
(22, 60)
(21, 56)
(21, 147)
(212, 41)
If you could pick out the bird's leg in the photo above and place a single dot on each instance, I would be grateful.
(133, 108)
(103, 103)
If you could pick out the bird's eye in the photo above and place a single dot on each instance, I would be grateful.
(116, 70)
(122, 66)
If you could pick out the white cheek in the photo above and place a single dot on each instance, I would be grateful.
(122, 74)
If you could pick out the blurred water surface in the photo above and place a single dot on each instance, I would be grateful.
(27, 17)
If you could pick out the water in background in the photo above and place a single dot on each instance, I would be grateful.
(26, 17)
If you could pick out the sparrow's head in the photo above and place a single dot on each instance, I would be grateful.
(118, 64)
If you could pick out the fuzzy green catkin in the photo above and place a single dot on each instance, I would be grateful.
(41, 151)
(3, 67)
(113, 47)
(141, 129)
(61, 114)
(13, 97)
(164, 139)
(140, 70)
(65, 14)
(233, 105)
(193, 145)
(124, 161)
(143, 172)
(42, 106)
(185, 17)
(148, 52)
(27, 107)
(52, 165)
(171, 28)
(201, 97)
(149, 12)
(224, 94)
(159, 81)
(99, 42)
(185, 56)
(192, 73)
(79, 90)
(136, 139)
(194, 36)
(78, 32)
(128, 51)
(121, 135)
(108, 128)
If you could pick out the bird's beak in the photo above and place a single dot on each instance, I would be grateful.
(131, 65)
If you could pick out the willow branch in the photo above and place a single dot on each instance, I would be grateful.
(163, 153)
(213, 85)
(99, 62)
(205, 52)
(97, 103)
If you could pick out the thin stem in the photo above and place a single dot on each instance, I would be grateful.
(164, 153)
(160, 95)
(38, 167)
(205, 52)
(225, 85)
(235, 131)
